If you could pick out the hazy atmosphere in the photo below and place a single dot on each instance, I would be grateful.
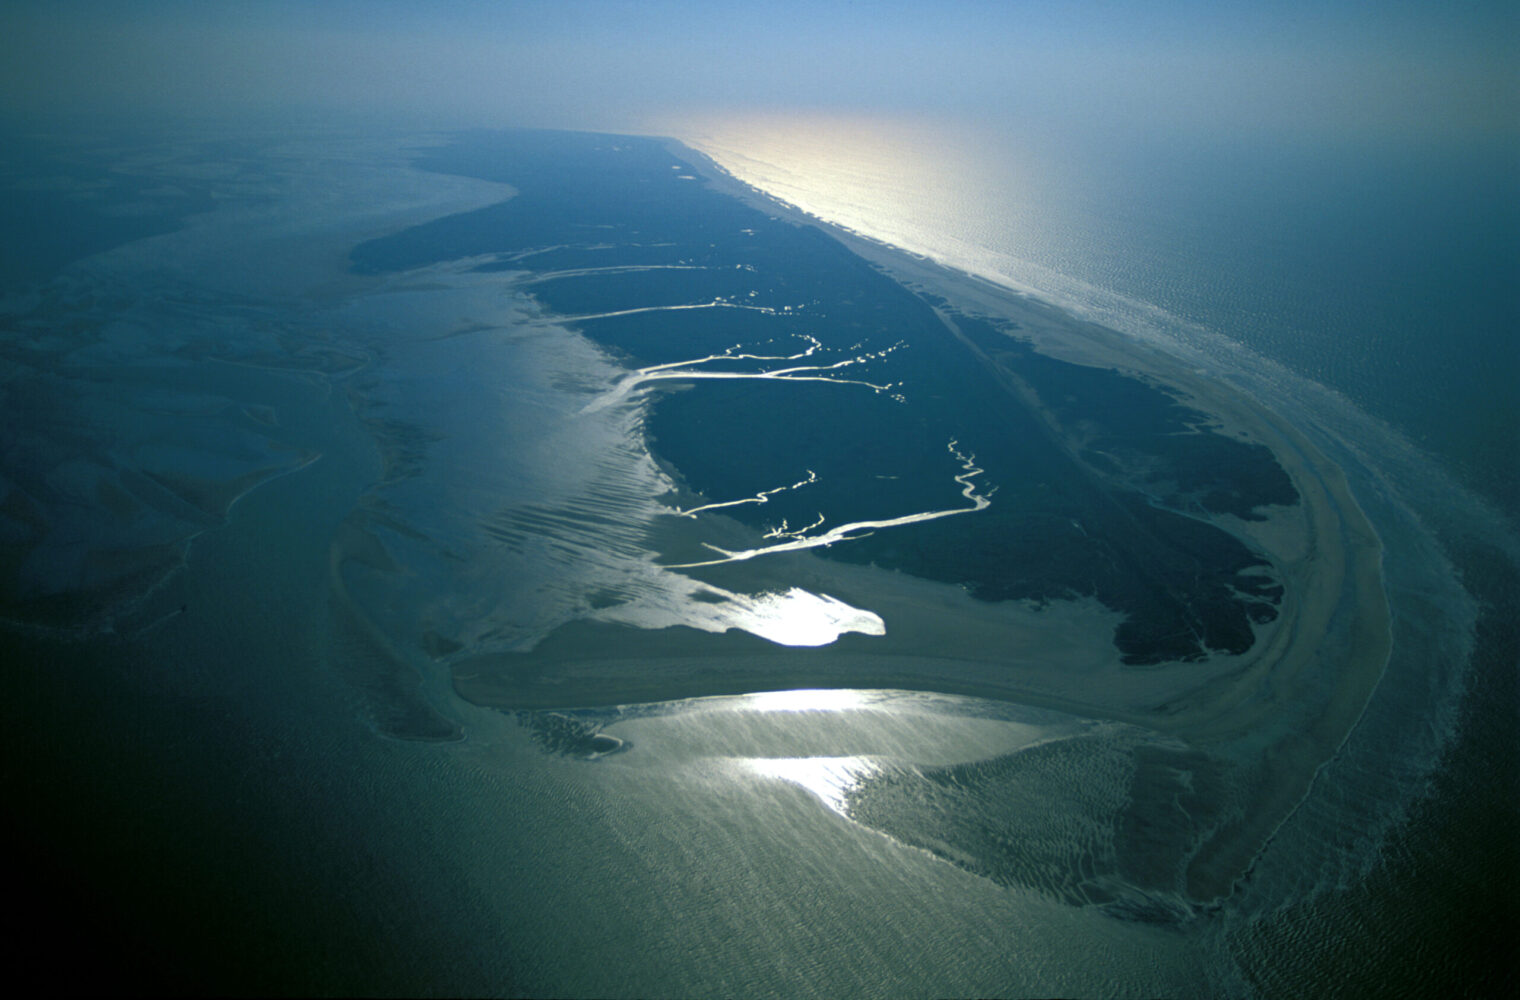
(838, 499)
(1349, 71)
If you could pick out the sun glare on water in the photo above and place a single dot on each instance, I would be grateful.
(800, 618)
(807, 700)
(831, 779)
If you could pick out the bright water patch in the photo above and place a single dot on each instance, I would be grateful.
(1087, 813)
(795, 617)
(831, 779)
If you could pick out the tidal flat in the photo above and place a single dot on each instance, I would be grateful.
(544, 479)
(1142, 545)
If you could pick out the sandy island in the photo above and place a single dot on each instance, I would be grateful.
(1279, 711)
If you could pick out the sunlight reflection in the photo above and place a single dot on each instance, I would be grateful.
(830, 778)
(800, 618)
(795, 617)
(809, 700)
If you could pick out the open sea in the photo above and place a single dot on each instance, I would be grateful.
(301, 447)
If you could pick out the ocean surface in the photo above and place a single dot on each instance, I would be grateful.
(304, 429)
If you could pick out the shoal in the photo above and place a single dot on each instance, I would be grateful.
(1277, 712)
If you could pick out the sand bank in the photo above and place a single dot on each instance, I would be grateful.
(1276, 713)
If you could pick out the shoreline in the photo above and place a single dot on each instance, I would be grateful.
(1340, 549)
(1268, 711)
(279, 688)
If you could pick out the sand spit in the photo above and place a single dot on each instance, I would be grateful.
(1276, 713)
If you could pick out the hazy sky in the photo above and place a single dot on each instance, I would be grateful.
(1323, 67)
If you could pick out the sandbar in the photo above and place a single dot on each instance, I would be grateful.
(1277, 712)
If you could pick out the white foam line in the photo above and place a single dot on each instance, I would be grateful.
(762, 497)
(729, 355)
(687, 370)
(615, 395)
(623, 269)
(851, 531)
(626, 386)
(782, 530)
(715, 304)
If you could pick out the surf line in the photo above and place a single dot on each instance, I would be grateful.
(688, 370)
(855, 529)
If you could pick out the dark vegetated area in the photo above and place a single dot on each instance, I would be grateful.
(1109, 519)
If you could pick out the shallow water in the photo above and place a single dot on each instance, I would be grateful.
(232, 720)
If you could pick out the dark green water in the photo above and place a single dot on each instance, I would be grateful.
(207, 782)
